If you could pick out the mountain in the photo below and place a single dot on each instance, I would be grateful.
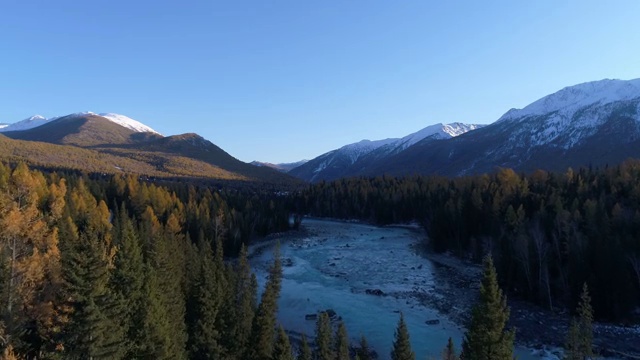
(26, 124)
(590, 124)
(358, 158)
(112, 143)
(283, 167)
(39, 120)
(81, 129)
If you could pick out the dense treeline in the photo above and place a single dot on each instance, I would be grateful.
(112, 267)
(549, 233)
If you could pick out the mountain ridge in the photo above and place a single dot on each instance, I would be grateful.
(113, 143)
(355, 158)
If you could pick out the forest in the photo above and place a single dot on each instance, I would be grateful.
(114, 267)
(549, 233)
(96, 266)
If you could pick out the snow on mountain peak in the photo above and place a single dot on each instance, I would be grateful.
(38, 120)
(128, 122)
(356, 150)
(436, 131)
(570, 99)
(26, 124)
(566, 117)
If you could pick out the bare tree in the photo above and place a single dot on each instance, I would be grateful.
(542, 250)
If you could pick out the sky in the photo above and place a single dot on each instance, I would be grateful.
(281, 81)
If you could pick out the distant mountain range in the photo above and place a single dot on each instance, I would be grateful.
(357, 158)
(595, 123)
(113, 143)
(283, 167)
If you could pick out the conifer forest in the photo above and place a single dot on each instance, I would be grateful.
(97, 266)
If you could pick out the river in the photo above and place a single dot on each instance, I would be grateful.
(333, 265)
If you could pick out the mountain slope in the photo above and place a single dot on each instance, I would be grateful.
(357, 158)
(78, 129)
(97, 143)
(39, 120)
(595, 123)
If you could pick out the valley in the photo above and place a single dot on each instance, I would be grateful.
(331, 264)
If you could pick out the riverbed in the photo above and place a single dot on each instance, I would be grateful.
(367, 275)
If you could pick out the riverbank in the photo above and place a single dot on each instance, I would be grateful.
(536, 328)
(360, 269)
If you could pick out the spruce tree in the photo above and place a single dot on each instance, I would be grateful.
(242, 307)
(449, 353)
(364, 352)
(206, 335)
(264, 322)
(155, 332)
(127, 280)
(342, 343)
(580, 337)
(282, 348)
(304, 352)
(93, 331)
(324, 344)
(486, 337)
(401, 343)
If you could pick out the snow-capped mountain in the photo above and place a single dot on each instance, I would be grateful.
(595, 123)
(39, 120)
(352, 159)
(283, 167)
(26, 124)
(565, 118)
(128, 122)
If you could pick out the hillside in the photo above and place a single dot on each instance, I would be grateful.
(91, 142)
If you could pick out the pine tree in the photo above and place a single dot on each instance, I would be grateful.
(282, 348)
(401, 344)
(580, 336)
(264, 322)
(449, 353)
(364, 352)
(342, 343)
(304, 353)
(486, 337)
(323, 349)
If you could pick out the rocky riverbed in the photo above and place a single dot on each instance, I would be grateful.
(368, 275)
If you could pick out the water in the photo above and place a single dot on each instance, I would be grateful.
(334, 266)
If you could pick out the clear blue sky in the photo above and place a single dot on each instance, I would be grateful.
(284, 80)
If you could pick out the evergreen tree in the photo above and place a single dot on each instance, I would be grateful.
(93, 332)
(580, 336)
(206, 342)
(401, 343)
(364, 352)
(282, 348)
(449, 353)
(304, 353)
(127, 280)
(156, 332)
(264, 322)
(486, 337)
(342, 343)
(241, 310)
(324, 344)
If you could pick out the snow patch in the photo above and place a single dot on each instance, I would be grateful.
(39, 120)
